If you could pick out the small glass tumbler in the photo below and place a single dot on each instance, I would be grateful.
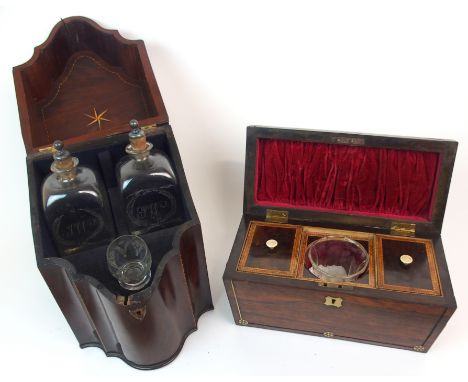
(337, 259)
(129, 261)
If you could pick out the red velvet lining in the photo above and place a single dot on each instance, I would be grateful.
(339, 178)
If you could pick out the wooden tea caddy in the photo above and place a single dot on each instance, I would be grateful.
(83, 85)
(387, 193)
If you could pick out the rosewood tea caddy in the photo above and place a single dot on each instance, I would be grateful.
(82, 86)
(387, 195)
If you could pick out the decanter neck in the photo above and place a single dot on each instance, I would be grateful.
(67, 177)
(140, 157)
(64, 165)
(138, 148)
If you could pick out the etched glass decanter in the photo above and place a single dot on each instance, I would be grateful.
(148, 186)
(75, 205)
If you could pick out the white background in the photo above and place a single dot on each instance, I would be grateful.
(382, 67)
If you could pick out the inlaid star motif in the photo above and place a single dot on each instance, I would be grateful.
(97, 118)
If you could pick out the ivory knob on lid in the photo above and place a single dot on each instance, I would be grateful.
(406, 260)
(271, 244)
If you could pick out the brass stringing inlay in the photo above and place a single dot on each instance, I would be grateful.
(241, 320)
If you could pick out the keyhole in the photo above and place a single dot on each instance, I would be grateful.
(333, 301)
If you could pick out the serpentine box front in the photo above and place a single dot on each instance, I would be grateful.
(83, 85)
(387, 193)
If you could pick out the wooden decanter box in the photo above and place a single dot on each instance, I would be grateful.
(387, 193)
(83, 85)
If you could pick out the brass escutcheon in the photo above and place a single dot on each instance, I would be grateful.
(139, 313)
(328, 334)
(337, 302)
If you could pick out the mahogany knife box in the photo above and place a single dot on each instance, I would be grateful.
(387, 193)
(82, 71)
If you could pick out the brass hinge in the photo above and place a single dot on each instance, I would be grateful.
(403, 229)
(47, 149)
(275, 216)
(149, 128)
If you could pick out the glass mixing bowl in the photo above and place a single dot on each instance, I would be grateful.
(337, 259)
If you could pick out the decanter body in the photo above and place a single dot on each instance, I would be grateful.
(75, 205)
(148, 186)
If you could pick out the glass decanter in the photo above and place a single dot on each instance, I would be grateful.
(148, 186)
(75, 205)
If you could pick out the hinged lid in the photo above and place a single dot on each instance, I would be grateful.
(362, 180)
(85, 82)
